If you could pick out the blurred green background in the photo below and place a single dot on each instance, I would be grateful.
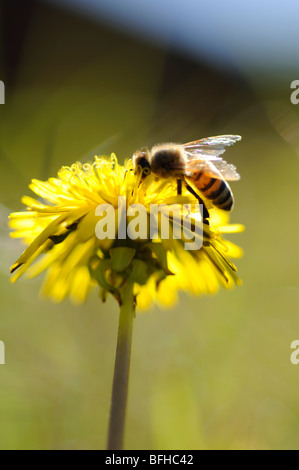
(212, 373)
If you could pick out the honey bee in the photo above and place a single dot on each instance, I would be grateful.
(198, 163)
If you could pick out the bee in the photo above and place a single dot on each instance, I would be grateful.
(198, 163)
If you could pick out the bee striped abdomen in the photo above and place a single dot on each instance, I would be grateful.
(216, 190)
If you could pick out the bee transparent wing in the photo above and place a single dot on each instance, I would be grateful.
(204, 155)
(211, 146)
(227, 170)
(214, 168)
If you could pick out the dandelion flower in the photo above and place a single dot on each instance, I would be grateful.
(59, 231)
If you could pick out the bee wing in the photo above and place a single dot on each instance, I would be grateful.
(212, 146)
(204, 155)
(215, 168)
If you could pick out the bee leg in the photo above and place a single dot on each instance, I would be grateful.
(179, 183)
(205, 213)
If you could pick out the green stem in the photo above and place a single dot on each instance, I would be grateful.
(121, 369)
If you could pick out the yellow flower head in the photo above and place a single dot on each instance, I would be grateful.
(60, 231)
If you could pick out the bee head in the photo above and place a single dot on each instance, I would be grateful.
(141, 161)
